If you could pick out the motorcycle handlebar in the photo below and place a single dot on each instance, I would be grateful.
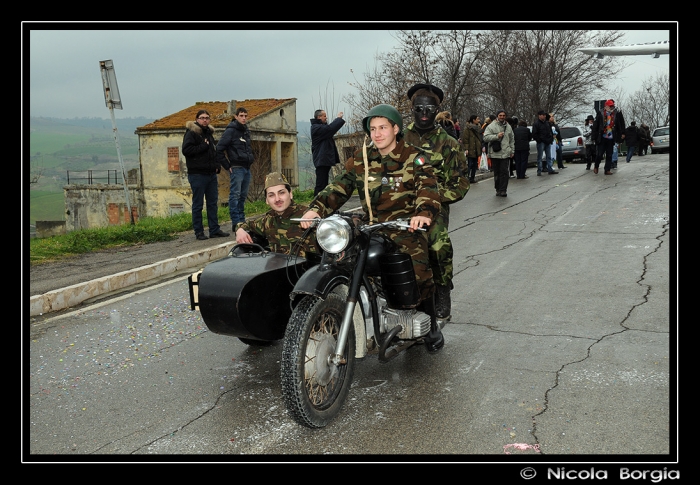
(402, 224)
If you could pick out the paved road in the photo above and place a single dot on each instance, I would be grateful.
(562, 346)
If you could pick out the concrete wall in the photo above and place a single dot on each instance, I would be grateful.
(50, 228)
(99, 205)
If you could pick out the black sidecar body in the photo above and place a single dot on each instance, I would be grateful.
(246, 294)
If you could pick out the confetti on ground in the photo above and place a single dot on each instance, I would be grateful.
(521, 447)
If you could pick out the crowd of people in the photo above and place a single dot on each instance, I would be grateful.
(420, 171)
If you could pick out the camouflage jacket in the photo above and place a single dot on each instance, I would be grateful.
(282, 234)
(447, 156)
(401, 184)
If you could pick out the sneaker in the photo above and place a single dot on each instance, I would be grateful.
(219, 233)
(539, 174)
(201, 236)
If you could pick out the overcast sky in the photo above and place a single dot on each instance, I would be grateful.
(160, 72)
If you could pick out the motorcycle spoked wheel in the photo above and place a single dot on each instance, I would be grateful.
(314, 390)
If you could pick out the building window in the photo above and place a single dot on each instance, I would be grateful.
(176, 209)
(173, 159)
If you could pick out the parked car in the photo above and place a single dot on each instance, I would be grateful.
(660, 140)
(573, 146)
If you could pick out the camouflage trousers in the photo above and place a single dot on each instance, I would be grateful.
(416, 245)
(440, 250)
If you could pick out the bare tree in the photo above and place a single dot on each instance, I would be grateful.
(36, 171)
(650, 104)
(259, 169)
(517, 70)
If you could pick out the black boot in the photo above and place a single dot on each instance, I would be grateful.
(434, 341)
(443, 304)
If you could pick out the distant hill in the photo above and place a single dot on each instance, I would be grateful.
(69, 125)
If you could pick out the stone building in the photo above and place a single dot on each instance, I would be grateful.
(160, 188)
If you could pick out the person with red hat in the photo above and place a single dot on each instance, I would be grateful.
(608, 129)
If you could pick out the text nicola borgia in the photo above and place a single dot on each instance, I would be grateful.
(654, 476)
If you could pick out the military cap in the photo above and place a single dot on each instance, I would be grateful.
(275, 178)
(429, 87)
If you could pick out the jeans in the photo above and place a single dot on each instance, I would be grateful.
(545, 149)
(240, 182)
(204, 186)
(631, 151)
(472, 165)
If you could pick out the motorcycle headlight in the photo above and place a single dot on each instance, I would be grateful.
(333, 234)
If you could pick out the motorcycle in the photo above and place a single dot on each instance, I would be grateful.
(362, 298)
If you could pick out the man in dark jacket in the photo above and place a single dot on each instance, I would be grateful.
(323, 150)
(522, 136)
(608, 129)
(631, 140)
(644, 139)
(542, 134)
(235, 153)
(199, 149)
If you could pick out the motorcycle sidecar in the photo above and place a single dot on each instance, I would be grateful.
(246, 294)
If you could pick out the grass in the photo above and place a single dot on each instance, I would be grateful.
(146, 230)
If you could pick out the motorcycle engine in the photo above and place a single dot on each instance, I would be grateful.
(415, 324)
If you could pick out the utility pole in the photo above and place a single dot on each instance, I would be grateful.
(113, 100)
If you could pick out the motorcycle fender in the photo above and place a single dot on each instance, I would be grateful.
(319, 281)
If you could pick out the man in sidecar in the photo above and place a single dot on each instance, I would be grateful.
(394, 180)
(283, 235)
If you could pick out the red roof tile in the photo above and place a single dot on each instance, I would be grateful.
(217, 110)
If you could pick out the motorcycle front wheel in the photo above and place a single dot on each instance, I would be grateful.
(313, 388)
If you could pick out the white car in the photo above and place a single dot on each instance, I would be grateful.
(572, 146)
(660, 140)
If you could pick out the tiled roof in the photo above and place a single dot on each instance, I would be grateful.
(217, 110)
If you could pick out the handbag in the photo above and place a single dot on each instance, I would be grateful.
(496, 146)
(484, 162)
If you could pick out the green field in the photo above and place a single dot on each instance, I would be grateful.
(46, 206)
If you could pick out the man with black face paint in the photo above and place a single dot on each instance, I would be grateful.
(450, 167)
